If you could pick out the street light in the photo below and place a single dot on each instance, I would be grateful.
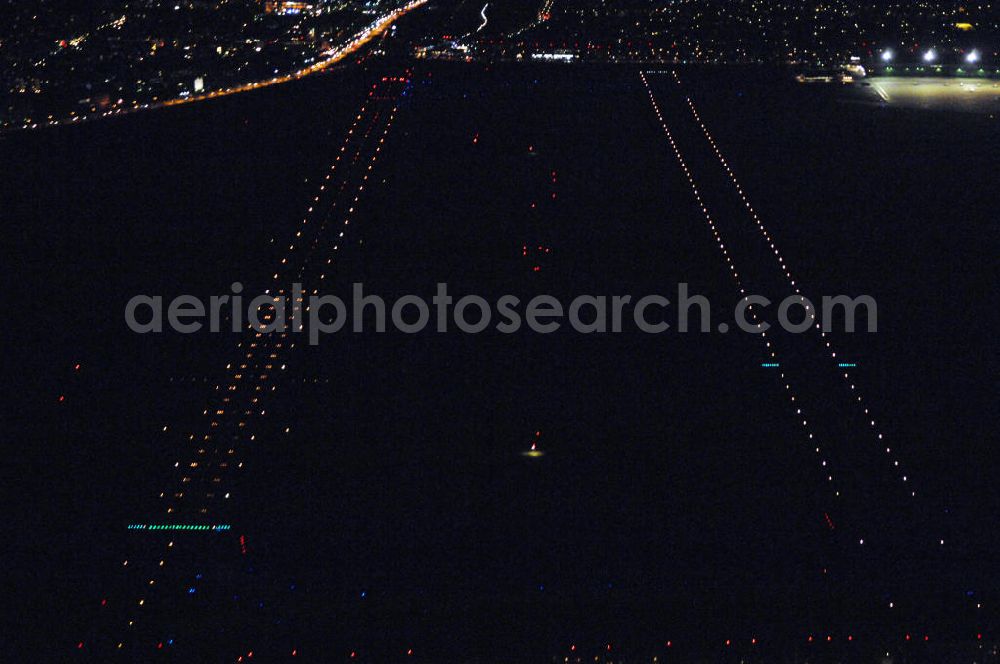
(972, 56)
(887, 55)
(930, 55)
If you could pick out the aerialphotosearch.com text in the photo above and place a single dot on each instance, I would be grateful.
(315, 315)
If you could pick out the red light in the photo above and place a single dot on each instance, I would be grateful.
(810, 639)
(295, 653)
(670, 644)
(753, 641)
(829, 637)
(926, 638)
(907, 637)
(159, 646)
(79, 646)
(979, 637)
(572, 648)
(409, 652)
(609, 647)
(104, 602)
(62, 397)
(76, 367)
(727, 643)
(850, 638)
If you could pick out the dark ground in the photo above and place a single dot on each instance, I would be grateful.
(675, 501)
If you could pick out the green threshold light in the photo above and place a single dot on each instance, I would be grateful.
(178, 526)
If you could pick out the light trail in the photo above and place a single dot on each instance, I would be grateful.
(483, 15)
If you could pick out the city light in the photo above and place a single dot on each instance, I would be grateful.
(972, 56)
(887, 55)
(930, 55)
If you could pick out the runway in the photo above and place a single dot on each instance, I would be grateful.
(968, 95)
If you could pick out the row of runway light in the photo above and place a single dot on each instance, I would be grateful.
(218, 528)
(206, 379)
(327, 178)
(252, 376)
(256, 346)
(857, 398)
(769, 348)
(809, 639)
(261, 339)
(267, 345)
(341, 161)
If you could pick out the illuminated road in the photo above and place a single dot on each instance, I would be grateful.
(330, 58)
